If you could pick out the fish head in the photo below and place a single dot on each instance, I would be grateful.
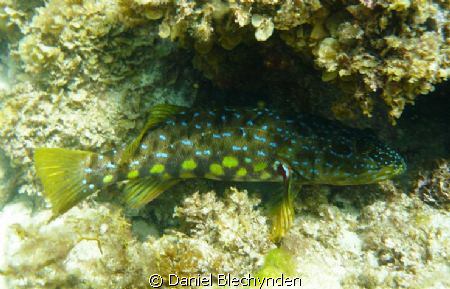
(342, 159)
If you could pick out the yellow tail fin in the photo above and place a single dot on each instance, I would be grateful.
(61, 172)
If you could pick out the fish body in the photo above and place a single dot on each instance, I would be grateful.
(226, 144)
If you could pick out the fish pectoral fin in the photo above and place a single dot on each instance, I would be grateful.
(61, 172)
(282, 214)
(158, 114)
(139, 192)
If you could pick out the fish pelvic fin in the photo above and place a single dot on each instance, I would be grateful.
(61, 172)
(139, 192)
(282, 214)
(158, 114)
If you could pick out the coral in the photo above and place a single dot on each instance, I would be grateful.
(233, 225)
(391, 241)
(376, 51)
(433, 186)
(13, 17)
(92, 245)
(8, 179)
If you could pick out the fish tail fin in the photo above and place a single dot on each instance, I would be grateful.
(283, 214)
(62, 172)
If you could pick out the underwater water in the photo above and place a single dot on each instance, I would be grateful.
(209, 144)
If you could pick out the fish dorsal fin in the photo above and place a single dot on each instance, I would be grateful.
(139, 192)
(158, 114)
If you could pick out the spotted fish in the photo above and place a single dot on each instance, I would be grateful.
(225, 144)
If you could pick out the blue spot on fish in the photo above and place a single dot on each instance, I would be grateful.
(198, 126)
(259, 138)
(261, 153)
(91, 186)
(144, 146)
(215, 135)
(207, 152)
(196, 114)
(272, 144)
(208, 124)
(244, 148)
(162, 137)
(279, 129)
(183, 123)
(236, 148)
(223, 118)
(186, 142)
(250, 123)
(198, 153)
(88, 170)
(211, 113)
(264, 127)
(161, 155)
(84, 182)
(226, 134)
(237, 115)
(244, 134)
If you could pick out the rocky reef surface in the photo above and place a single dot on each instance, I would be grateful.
(84, 73)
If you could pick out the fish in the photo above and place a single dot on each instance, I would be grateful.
(224, 144)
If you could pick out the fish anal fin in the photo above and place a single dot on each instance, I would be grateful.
(139, 192)
(158, 114)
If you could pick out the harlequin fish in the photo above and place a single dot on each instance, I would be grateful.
(226, 144)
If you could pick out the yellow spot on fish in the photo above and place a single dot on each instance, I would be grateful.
(189, 165)
(133, 174)
(265, 176)
(166, 176)
(230, 162)
(157, 169)
(107, 179)
(216, 169)
(259, 167)
(241, 172)
(187, 175)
